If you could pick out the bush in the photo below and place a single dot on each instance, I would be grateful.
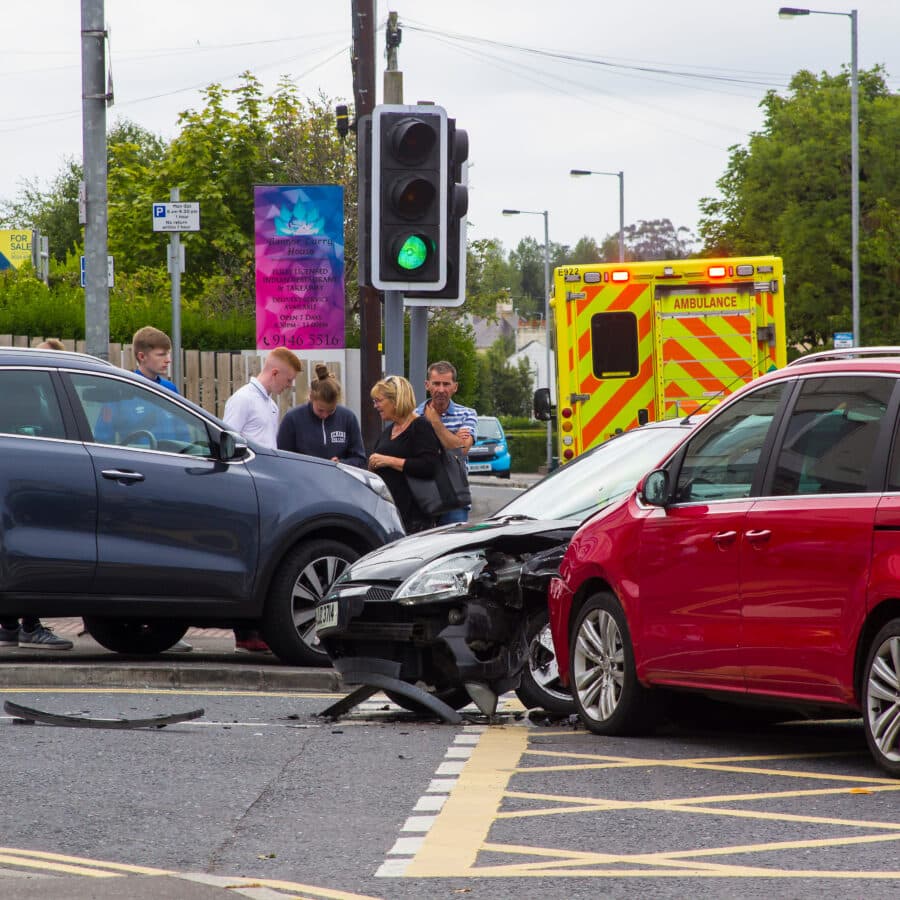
(527, 449)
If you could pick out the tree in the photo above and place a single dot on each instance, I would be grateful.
(648, 240)
(52, 210)
(787, 192)
(528, 260)
(503, 389)
(587, 251)
(489, 277)
(238, 138)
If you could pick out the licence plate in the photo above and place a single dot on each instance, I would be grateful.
(479, 467)
(327, 615)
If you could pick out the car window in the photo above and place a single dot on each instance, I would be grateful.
(127, 415)
(28, 404)
(831, 435)
(722, 458)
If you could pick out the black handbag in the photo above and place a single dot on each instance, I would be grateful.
(449, 489)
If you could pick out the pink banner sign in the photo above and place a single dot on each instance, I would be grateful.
(299, 242)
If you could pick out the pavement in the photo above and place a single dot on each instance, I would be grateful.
(212, 664)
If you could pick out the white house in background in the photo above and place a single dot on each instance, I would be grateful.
(536, 353)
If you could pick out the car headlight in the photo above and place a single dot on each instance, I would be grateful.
(369, 479)
(442, 579)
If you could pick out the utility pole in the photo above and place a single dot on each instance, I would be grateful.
(393, 300)
(94, 98)
(363, 15)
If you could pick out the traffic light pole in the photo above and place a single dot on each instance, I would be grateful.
(393, 300)
(363, 12)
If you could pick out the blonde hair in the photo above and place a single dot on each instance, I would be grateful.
(398, 390)
(51, 344)
(325, 387)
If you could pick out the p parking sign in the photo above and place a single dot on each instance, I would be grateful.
(176, 216)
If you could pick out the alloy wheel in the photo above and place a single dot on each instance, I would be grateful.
(598, 665)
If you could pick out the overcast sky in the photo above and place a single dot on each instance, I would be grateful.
(498, 66)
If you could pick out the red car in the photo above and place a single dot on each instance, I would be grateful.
(760, 562)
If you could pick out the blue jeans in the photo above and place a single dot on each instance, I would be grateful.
(454, 515)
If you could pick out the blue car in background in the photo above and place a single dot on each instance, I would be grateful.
(489, 455)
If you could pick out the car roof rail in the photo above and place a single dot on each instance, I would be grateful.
(845, 353)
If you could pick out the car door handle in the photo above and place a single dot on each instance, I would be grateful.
(725, 537)
(119, 475)
(759, 537)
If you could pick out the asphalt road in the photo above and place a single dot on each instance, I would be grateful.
(266, 798)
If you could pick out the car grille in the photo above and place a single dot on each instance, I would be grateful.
(380, 593)
(385, 631)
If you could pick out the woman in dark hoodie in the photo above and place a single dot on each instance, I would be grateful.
(322, 427)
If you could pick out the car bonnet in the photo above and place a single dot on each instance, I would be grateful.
(402, 557)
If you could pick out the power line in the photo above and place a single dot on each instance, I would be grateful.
(52, 118)
(592, 60)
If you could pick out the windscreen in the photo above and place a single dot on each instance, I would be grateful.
(596, 479)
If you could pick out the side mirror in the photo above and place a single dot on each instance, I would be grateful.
(543, 409)
(231, 446)
(654, 488)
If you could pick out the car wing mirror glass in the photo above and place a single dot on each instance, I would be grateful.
(654, 488)
(231, 446)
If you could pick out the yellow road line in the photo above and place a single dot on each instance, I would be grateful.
(98, 868)
(75, 864)
(46, 866)
(452, 844)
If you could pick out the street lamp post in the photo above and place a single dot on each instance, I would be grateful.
(621, 176)
(790, 12)
(544, 213)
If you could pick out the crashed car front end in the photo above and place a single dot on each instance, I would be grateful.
(459, 619)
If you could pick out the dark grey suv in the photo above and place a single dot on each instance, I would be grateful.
(134, 508)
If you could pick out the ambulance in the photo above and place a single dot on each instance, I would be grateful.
(643, 341)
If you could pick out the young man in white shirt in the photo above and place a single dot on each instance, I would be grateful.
(252, 411)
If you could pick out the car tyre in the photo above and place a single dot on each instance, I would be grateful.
(608, 696)
(133, 635)
(881, 698)
(540, 686)
(304, 577)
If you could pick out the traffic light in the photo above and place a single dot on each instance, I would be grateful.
(455, 225)
(409, 197)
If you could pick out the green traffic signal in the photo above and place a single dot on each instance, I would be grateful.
(412, 252)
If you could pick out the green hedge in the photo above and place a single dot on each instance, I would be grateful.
(528, 449)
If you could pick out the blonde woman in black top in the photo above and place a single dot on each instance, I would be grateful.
(408, 445)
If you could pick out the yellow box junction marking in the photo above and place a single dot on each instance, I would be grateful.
(460, 833)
